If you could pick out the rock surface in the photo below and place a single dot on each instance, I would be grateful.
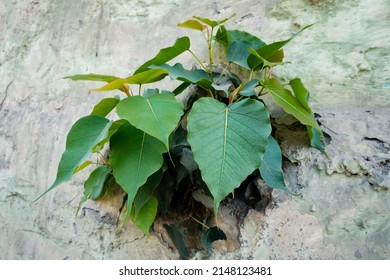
(343, 210)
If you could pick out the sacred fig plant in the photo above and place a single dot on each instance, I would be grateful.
(156, 146)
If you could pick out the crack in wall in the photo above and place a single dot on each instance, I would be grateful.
(5, 94)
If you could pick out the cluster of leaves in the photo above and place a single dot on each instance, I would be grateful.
(218, 136)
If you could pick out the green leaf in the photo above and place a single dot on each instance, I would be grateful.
(238, 44)
(93, 186)
(157, 115)
(268, 51)
(146, 215)
(228, 143)
(146, 77)
(105, 106)
(134, 157)
(271, 166)
(262, 61)
(195, 76)
(113, 128)
(209, 236)
(177, 238)
(82, 166)
(115, 84)
(249, 88)
(301, 93)
(82, 137)
(181, 88)
(241, 36)
(164, 55)
(192, 24)
(150, 91)
(290, 104)
(146, 191)
(238, 52)
(221, 36)
(92, 77)
(303, 96)
(213, 23)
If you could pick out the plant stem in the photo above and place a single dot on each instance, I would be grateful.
(199, 222)
(127, 90)
(251, 75)
(198, 60)
(209, 47)
(102, 158)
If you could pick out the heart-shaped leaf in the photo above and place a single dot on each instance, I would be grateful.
(82, 137)
(238, 52)
(135, 156)
(228, 142)
(242, 36)
(157, 115)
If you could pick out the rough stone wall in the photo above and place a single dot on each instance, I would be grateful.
(343, 211)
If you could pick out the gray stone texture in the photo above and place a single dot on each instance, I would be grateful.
(343, 207)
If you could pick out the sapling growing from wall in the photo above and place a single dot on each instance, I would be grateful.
(211, 140)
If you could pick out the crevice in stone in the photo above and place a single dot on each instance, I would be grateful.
(5, 94)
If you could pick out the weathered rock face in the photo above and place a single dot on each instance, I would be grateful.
(343, 210)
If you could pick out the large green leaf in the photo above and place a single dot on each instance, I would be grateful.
(93, 186)
(146, 215)
(135, 156)
(195, 76)
(82, 137)
(228, 143)
(242, 36)
(271, 166)
(303, 96)
(105, 106)
(290, 104)
(238, 44)
(157, 115)
(238, 52)
(164, 55)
